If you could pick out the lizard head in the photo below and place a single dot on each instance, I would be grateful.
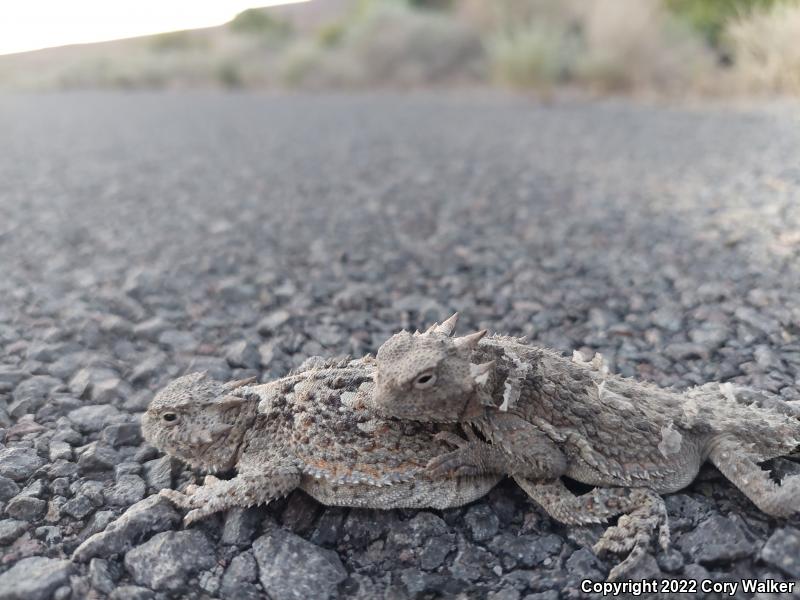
(429, 376)
(199, 420)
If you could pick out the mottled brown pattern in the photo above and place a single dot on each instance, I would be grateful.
(310, 430)
(544, 416)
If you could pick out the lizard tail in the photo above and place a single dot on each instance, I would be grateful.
(763, 419)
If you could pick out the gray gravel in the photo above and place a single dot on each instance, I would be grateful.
(144, 235)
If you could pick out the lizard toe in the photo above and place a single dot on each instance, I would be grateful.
(457, 462)
(614, 543)
(664, 539)
(451, 439)
(195, 515)
(175, 497)
(621, 570)
(437, 468)
(634, 532)
(467, 471)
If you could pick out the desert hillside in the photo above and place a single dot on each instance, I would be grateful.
(665, 47)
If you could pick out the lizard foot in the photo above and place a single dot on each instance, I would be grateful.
(177, 498)
(196, 515)
(220, 494)
(633, 532)
(461, 462)
(596, 506)
(200, 500)
(452, 439)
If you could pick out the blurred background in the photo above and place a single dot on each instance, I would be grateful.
(664, 47)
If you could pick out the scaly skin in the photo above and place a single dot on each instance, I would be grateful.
(545, 416)
(308, 431)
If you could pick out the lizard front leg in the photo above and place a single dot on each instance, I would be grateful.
(472, 458)
(540, 460)
(243, 490)
(517, 448)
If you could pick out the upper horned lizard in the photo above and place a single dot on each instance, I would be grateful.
(306, 430)
(546, 416)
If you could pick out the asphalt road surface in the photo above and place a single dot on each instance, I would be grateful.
(143, 235)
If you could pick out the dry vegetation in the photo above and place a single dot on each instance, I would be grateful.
(388, 43)
(610, 45)
(663, 46)
(766, 51)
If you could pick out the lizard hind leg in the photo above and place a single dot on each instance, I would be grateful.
(642, 511)
(596, 506)
(739, 468)
(634, 530)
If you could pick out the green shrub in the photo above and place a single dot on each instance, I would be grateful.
(299, 61)
(331, 35)
(395, 45)
(229, 76)
(255, 21)
(610, 45)
(431, 4)
(711, 16)
(537, 55)
(177, 41)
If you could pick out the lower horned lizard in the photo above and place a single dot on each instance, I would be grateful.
(545, 416)
(309, 431)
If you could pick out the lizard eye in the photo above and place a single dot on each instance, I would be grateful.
(425, 380)
(170, 417)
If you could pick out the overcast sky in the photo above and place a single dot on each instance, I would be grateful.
(32, 24)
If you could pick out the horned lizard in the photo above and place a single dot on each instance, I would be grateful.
(545, 415)
(308, 430)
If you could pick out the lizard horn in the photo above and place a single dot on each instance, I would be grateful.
(432, 328)
(231, 401)
(232, 385)
(219, 430)
(469, 342)
(449, 326)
